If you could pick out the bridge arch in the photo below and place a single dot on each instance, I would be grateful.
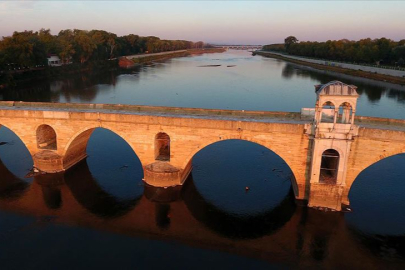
(188, 161)
(345, 113)
(364, 166)
(329, 166)
(327, 112)
(162, 146)
(46, 137)
(12, 138)
(75, 149)
(20, 136)
(377, 194)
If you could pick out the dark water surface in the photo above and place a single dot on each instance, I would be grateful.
(99, 214)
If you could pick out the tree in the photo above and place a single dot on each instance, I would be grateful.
(49, 41)
(23, 49)
(105, 43)
(399, 52)
(67, 51)
(29, 49)
(288, 41)
(84, 45)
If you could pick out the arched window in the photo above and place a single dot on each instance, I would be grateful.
(345, 113)
(329, 167)
(328, 112)
(46, 137)
(162, 147)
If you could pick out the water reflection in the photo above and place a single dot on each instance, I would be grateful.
(288, 234)
(14, 154)
(241, 177)
(114, 164)
(90, 195)
(326, 225)
(15, 162)
(390, 248)
(234, 226)
(239, 189)
(377, 200)
(11, 187)
(52, 197)
(162, 195)
(162, 215)
(373, 90)
(252, 83)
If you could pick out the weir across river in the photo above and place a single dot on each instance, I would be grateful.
(326, 148)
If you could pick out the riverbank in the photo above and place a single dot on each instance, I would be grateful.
(12, 78)
(351, 72)
(134, 60)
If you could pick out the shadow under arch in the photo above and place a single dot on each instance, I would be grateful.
(387, 246)
(20, 151)
(11, 187)
(376, 197)
(100, 182)
(93, 197)
(234, 226)
(15, 163)
(189, 160)
(76, 148)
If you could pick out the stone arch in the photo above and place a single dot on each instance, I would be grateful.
(75, 149)
(357, 166)
(20, 137)
(188, 161)
(329, 166)
(345, 113)
(327, 112)
(162, 146)
(46, 137)
(373, 161)
(328, 103)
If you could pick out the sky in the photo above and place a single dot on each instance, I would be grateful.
(219, 22)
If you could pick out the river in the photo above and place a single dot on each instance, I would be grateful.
(99, 213)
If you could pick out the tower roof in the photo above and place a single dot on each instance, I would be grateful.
(336, 88)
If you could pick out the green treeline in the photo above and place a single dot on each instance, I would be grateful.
(30, 49)
(370, 51)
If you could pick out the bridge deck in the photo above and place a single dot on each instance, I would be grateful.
(212, 114)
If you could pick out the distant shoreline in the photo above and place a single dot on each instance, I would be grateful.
(357, 73)
(135, 60)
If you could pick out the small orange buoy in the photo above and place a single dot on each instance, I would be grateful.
(246, 188)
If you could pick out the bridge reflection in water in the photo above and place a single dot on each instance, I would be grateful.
(287, 234)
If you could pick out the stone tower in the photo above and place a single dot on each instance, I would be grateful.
(331, 133)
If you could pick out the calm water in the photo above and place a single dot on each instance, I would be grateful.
(99, 213)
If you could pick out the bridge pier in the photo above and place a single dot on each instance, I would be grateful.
(326, 196)
(163, 174)
(51, 162)
(332, 132)
(48, 161)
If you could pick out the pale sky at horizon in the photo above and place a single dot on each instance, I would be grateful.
(226, 22)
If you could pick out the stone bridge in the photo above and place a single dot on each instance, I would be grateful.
(241, 47)
(324, 154)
